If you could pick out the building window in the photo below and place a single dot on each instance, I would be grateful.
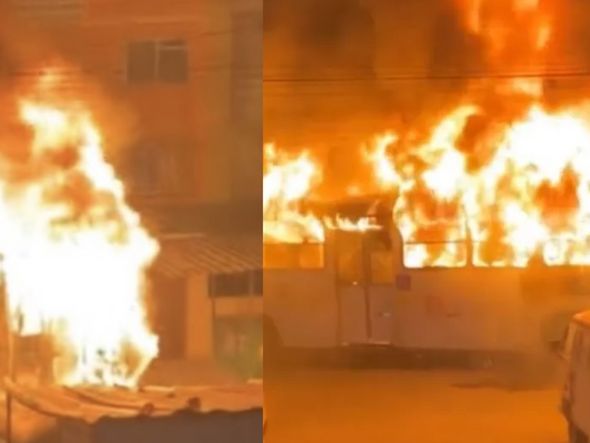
(172, 61)
(229, 284)
(164, 61)
(141, 62)
(236, 284)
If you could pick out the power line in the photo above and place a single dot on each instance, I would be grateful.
(427, 77)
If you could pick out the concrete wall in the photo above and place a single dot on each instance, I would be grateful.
(199, 319)
(201, 312)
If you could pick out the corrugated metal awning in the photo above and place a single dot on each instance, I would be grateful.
(92, 404)
(187, 254)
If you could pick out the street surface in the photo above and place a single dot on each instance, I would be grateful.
(409, 406)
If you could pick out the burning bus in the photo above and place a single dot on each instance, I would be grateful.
(483, 251)
(356, 288)
(487, 243)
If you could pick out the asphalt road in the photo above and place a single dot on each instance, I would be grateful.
(406, 406)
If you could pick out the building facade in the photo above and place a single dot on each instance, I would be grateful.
(179, 85)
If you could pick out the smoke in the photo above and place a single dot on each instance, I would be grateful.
(332, 36)
(331, 69)
(321, 89)
(402, 66)
(31, 56)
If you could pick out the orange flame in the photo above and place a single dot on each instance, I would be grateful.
(74, 253)
(529, 191)
(288, 181)
(339, 223)
(385, 173)
(489, 189)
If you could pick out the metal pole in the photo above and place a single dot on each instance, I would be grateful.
(11, 366)
(366, 282)
(8, 417)
(331, 251)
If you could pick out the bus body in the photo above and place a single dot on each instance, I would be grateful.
(355, 290)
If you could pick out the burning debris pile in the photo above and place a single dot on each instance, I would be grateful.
(503, 169)
(74, 253)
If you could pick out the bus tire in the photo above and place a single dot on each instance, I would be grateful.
(576, 435)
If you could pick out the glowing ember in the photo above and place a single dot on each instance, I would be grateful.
(74, 253)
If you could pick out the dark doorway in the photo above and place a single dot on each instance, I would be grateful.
(169, 316)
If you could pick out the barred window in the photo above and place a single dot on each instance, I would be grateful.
(164, 61)
(236, 284)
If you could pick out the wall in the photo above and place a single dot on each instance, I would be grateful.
(246, 105)
(199, 319)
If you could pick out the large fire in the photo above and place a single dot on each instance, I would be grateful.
(523, 188)
(513, 179)
(74, 253)
(501, 179)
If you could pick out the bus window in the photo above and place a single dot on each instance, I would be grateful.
(439, 242)
(452, 254)
(278, 256)
(311, 255)
(293, 256)
(349, 258)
